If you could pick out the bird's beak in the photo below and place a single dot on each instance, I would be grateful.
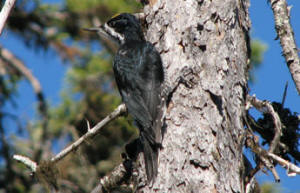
(99, 30)
(92, 29)
(111, 42)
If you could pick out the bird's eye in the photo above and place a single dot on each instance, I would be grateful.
(118, 23)
(111, 23)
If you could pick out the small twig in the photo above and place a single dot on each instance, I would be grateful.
(270, 167)
(19, 65)
(252, 142)
(88, 124)
(12, 60)
(120, 174)
(250, 182)
(263, 160)
(284, 93)
(252, 173)
(250, 121)
(250, 186)
(91, 133)
(292, 169)
(26, 161)
(5, 12)
(266, 107)
(275, 174)
(286, 35)
(266, 157)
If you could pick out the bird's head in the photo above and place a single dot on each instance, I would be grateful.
(121, 28)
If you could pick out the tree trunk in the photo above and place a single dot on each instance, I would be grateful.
(204, 46)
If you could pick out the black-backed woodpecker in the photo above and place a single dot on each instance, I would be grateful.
(139, 75)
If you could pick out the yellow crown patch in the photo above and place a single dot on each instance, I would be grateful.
(115, 15)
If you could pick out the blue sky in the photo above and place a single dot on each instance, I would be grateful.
(270, 77)
(273, 73)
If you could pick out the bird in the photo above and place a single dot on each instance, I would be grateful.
(139, 75)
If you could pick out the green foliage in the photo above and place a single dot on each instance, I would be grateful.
(115, 6)
(270, 188)
(258, 49)
(89, 94)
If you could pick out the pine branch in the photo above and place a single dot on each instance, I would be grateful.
(5, 12)
(291, 168)
(286, 35)
(120, 174)
(266, 107)
(90, 134)
(26, 161)
(19, 65)
(252, 141)
(267, 158)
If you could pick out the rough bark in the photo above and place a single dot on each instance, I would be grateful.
(205, 50)
(287, 40)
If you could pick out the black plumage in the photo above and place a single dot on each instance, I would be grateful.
(139, 75)
(139, 80)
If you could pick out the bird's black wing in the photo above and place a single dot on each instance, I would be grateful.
(139, 75)
(152, 76)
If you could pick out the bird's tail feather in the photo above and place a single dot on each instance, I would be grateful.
(151, 158)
